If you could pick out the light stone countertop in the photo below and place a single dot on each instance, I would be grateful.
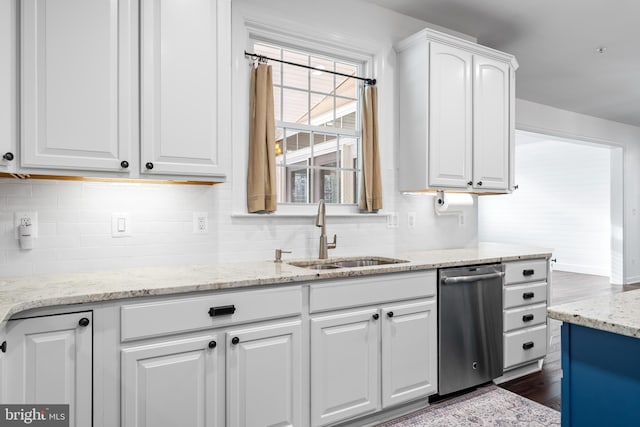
(23, 293)
(618, 313)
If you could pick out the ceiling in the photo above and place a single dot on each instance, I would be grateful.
(555, 42)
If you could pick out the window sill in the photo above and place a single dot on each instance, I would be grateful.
(309, 215)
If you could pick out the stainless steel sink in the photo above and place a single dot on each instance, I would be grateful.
(333, 263)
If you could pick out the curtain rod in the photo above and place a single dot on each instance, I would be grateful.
(262, 58)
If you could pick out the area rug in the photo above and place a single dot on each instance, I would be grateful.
(486, 406)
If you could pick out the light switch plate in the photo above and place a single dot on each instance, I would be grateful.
(120, 224)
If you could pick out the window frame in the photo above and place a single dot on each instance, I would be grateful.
(342, 53)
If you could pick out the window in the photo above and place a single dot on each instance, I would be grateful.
(317, 126)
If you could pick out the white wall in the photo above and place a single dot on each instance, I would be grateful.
(563, 202)
(552, 121)
(75, 217)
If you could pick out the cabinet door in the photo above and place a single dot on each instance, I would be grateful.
(450, 120)
(77, 73)
(491, 125)
(48, 361)
(345, 363)
(264, 376)
(184, 69)
(8, 83)
(409, 352)
(173, 383)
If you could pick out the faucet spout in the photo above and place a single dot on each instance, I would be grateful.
(321, 221)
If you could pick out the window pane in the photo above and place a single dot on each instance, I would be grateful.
(321, 81)
(279, 149)
(344, 85)
(298, 148)
(348, 183)
(297, 185)
(326, 186)
(348, 152)
(321, 110)
(295, 106)
(345, 114)
(293, 76)
(277, 103)
(325, 150)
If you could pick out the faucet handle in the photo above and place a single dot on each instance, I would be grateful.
(333, 244)
(279, 253)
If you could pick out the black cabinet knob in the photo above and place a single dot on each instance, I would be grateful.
(479, 184)
(390, 314)
(3, 346)
(212, 344)
(8, 156)
(148, 165)
(83, 322)
(235, 340)
(470, 183)
(124, 164)
(375, 316)
(527, 345)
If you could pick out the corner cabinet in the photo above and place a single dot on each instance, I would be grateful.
(48, 360)
(456, 115)
(121, 88)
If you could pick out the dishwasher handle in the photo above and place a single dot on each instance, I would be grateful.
(469, 279)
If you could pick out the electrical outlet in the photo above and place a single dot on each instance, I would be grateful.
(201, 222)
(411, 220)
(26, 218)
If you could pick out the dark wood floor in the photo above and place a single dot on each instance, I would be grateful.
(544, 386)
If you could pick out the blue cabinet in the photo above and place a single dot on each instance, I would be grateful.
(600, 378)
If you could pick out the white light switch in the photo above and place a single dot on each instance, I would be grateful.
(120, 224)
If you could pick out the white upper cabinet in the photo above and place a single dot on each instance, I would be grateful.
(8, 83)
(490, 124)
(456, 115)
(451, 120)
(184, 67)
(78, 95)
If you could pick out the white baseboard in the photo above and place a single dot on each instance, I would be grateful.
(631, 279)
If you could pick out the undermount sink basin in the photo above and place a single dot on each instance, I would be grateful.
(333, 263)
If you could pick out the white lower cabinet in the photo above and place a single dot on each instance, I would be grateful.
(173, 383)
(264, 375)
(48, 360)
(409, 350)
(345, 376)
(368, 359)
(241, 377)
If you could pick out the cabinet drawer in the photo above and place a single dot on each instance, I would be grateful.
(533, 293)
(171, 316)
(371, 290)
(525, 271)
(525, 346)
(523, 317)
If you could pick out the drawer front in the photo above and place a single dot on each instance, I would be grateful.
(523, 317)
(171, 316)
(525, 346)
(533, 293)
(371, 290)
(534, 270)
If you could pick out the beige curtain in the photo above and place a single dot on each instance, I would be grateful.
(261, 174)
(371, 190)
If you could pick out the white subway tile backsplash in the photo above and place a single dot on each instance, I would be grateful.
(75, 228)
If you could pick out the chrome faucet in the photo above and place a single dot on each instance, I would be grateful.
(321, 221)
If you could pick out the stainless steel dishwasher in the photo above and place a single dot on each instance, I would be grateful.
(469, 326)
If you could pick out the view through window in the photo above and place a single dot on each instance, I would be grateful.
(317, 131)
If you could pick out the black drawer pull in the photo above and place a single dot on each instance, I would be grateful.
(528, 272)
(528, 295)
(222, 310)
(527, 318)
(3, 346)
(528, 345)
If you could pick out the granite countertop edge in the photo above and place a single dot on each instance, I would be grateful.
(20, 294)
(618, 313)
